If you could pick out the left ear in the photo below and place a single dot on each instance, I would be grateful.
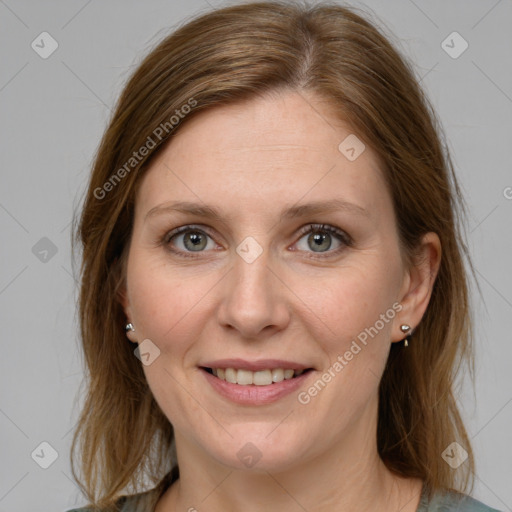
(418, 284)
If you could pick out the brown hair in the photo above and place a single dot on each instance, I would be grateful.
(234, 54)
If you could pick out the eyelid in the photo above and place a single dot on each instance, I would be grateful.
(183, 229)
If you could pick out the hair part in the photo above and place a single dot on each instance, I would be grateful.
(235, 54)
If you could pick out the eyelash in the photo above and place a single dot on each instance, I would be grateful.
(343, 237)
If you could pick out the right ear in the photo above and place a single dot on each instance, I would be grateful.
(122, 298)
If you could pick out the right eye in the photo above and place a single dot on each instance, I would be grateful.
(188, 239)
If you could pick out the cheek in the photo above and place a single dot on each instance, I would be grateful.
(352, 301)
(353, 317)
(166, 304)
(352, 325)
(169, 307)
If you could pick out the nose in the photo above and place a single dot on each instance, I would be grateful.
(254, 300)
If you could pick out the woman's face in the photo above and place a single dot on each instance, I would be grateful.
(287, 259)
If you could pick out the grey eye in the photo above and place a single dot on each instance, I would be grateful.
(320, 242)
(191, 240)
(195, 241)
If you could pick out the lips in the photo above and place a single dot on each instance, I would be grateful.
(255, 382)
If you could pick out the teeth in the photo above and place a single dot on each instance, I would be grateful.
(244, 377)
(231, 375)
(262, 378)
(259, 378)
(277, 375)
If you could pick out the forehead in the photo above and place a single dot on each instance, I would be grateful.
(259, 154)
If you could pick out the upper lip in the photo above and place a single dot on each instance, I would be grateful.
(254, 366)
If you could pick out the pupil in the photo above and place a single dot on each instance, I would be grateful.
(319, 241)
(196, 239)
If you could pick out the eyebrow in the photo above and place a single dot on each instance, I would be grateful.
(291, 212)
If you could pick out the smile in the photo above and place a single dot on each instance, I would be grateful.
(259, 387)
(258, 378)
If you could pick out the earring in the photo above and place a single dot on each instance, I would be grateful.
(129, 327)
(405, 329)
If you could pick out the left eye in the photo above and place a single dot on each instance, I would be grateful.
(321, 238)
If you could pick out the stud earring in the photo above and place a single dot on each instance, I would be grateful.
(406, 330)
(129, 327)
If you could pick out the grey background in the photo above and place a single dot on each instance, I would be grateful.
(53, 113)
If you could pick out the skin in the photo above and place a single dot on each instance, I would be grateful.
(251, 161)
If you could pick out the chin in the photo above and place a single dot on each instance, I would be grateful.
(260, 452)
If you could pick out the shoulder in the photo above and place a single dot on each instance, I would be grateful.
(144, 502)
(452, 501)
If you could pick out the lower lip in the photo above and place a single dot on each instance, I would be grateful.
(252, 394)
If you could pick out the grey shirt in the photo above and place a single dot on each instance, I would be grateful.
(441, 502)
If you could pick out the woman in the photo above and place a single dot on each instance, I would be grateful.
(272, 221)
